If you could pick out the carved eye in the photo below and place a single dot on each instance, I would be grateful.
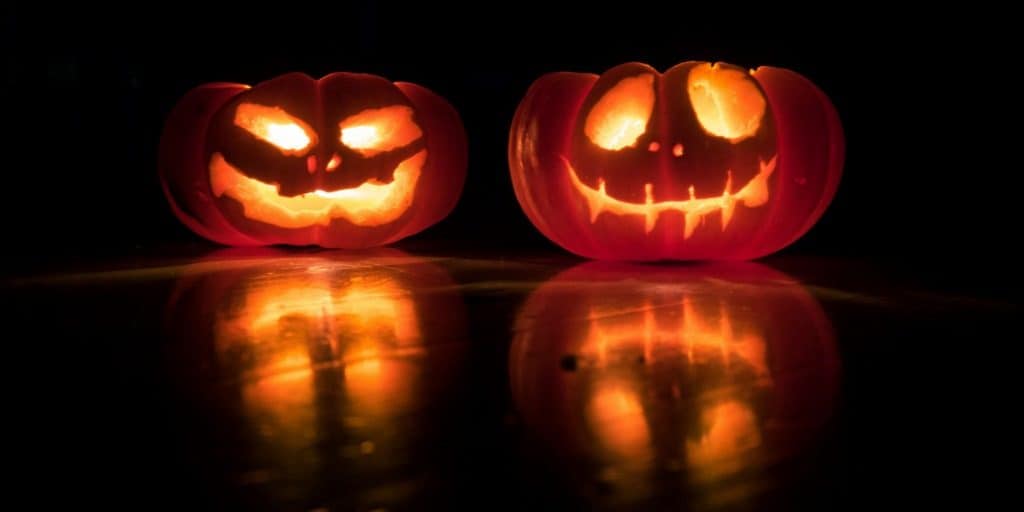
(377, 130)
(273, 125)
(620, 117)
(726, 101)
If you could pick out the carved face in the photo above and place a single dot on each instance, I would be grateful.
(344, 161)
(708, 370)
(637, 164)
(690, 146)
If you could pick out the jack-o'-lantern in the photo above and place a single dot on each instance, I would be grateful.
(704, 161)
(347, 161)
(672, 380)
(310, 365)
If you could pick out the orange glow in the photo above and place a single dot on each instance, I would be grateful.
(279, 400)
(620, 117)
(617, 418)
(362, 306)
(376, 130)
(333, 163)
(731, 430)
(367, 326)
(702, 330)
(370, 204)
(726, 101)
(677, 150)
(699, 336)
(652, 379)
(273, 125)
(753, 194)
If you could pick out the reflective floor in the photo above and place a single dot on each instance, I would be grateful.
(275, 380)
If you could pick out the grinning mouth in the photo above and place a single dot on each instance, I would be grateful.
(753, 194)
(372, 203)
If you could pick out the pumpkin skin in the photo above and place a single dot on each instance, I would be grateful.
(702, 162)
(346, 161)
(298, 360)
(672, 375)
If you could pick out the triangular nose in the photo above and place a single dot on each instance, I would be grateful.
(333, 163)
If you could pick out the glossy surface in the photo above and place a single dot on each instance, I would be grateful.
(301, 380)
(670, 378)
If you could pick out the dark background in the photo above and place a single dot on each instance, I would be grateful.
(920, 103)
(931, 186)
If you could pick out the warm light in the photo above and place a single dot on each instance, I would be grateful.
(697, 334)
(381, 320)
(370, 204)
(364, 368)
(617, 418)
(367, 326)
(377, 130)
(333, 163)
(361, 306)
(620, 117)
(280, 399)
(727, 102)
(665, 326)
(272, 124)
(753, 194)
(732, 430)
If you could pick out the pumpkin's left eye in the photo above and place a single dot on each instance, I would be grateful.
(376, 130)
(620, 117)
(275, 126)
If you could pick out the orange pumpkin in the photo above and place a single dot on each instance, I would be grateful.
(705, 161)
(349, 160)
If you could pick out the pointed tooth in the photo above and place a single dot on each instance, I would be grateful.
(649, 223)
(595, 209)
(650, 220)
(728, 203)
(692, 219)
(768, 168)
(727, 210)
(756, 192)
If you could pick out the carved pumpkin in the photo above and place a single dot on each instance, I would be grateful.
(705, 161)
(349, 161)
(669, 376)
(313, 365)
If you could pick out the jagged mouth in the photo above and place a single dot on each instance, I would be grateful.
(753, 194)
(371, 203)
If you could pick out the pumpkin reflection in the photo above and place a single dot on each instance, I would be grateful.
(326, 361)
(368, 325)
(661, 375)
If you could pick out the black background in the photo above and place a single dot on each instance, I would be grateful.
(920, 103)
(931, 180)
